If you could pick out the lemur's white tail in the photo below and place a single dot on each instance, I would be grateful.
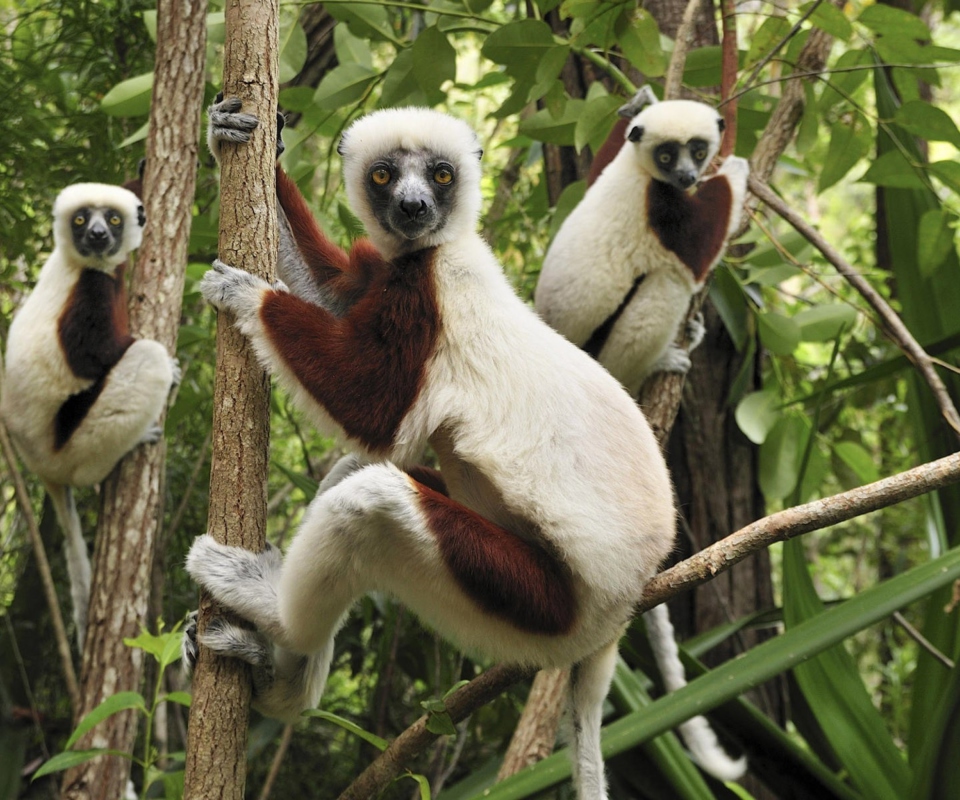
(589, 683)
(78, 562)
(696, 732)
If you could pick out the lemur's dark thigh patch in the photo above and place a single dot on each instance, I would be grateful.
(93, 325)
(599, 337)
(365, 368)
(692, 226)
(74, 411)
(505, 575)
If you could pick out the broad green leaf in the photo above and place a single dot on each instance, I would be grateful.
(344, 85)
(733, 678)
(150, 23)
(770, 33)
(569, 198)
(948, 172)
(849, 142)
(893, 170)
(356, 730)
(438, 719)
(823, 323)
(928, 122)
(122, 701)
(400, 85)
(856, 457)
(935, 240)
(544, 127)
(366, 20)
(596, 120)
(831, 19)
(519, 46)
(293, 47)
(729, 299)
(757, 413)
(809, 122)
(148, 642)
(703, 66)
(779, 334)
(896, 22)
(180, 698)
(137, 136)
(851, 70)
(298, 98)
(836, 694)
(640, 44)
(351, 49)
(780, 456)
(74, 758)
(434, 61)
(129, 98)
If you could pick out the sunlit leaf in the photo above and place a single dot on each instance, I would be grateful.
(829, 18)
(928, 122)
(293, 47)
(893, 170)
(74, 758)
(896, 22)
(640, 43)
(130, 98)
(780, 456)
(356, 730)
(858, 460)
(343, 85)
(519, 45)
(434, 60)
(849, 142)
(935, 239)
(757, 413)
(122, 701)
(596, 120)
(779, 334)
(823, 323)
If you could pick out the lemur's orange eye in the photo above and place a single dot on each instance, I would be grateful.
(443, 176)
(114, 220)
(79, 220)
(665, 158)
(380, 176)
(700, 155)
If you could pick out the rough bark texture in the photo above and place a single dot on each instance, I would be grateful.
(216, 745)
(533, 741)
(132, 500)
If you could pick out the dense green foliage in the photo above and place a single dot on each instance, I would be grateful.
(838, 405)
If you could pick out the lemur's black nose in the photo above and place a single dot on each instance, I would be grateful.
(97, 232)
(686, 179)
(413, 207)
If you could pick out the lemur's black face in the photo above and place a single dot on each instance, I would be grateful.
(97, 231)
(411, 194)
(681, 164)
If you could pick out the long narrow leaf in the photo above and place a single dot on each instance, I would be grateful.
(122, 701)
(747, 671)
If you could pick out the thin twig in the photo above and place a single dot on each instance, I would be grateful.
(892, 324)
(277, 762)
(678, 60)
(922, 640)
(695, 570)
(728, 76)
(43, 567)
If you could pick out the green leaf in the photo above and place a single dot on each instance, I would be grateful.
(438, 718)
(569, 199)
(768, 36)
(824, 323)
(544, 127)
(366, 20)
(745, 672)
(859, 460)
(519, 46)
(948, 172)
(893, 170)
(827, 17)
(780, 456)
(343, 85)
(400, 85)
(150, 23)
(779, 334)
(137, 136)
(703, 66)
(121, 701)
(293, 47)
(304, 483)
(836, 694)
(895, 22)
(809, 122)
(935, 240)
(421, 780)
(595, 122)
(928, 122)
(180, 698)
(851, 70)
(729, 299)
(848, 144)
(351, 49)
(74, 758)
(434, 61)
(757, 413)
(640, 44)
(356, 730)
(129, 98)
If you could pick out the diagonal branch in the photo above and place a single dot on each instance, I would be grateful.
(893, 326)
(695, 570)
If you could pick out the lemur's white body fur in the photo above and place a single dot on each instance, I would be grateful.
(39, 380)
(607, 243)
(531, 434)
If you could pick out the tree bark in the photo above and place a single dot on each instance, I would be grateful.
(216, 744)
(132, 501)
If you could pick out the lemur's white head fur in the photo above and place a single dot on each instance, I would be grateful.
(412, 150)
(674, 141)
(96, 224)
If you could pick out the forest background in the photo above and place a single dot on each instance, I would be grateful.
(849, 635)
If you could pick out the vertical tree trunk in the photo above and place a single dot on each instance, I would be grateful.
(216, 745)
(132, 496)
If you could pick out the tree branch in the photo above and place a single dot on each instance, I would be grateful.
(695, 570)
(893, 326)
(678, 60)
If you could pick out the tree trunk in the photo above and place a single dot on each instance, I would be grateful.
(133, 495)
(216, 744)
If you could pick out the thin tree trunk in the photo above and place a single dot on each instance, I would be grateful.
(216, 743)
(132, 501)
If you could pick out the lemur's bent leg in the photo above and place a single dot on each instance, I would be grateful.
(124, 413)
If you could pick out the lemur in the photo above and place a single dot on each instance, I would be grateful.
(79, 391)
(618, 277)
(553, 506)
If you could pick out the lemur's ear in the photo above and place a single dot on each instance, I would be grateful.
(721, 124)
(635, 134)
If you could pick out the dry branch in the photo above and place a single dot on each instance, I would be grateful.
(695, 570)
(893, 326)
(678, 60)
(216, 747)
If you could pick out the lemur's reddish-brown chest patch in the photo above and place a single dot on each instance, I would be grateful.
(94, 334)
(367, 367)
(694, 227)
